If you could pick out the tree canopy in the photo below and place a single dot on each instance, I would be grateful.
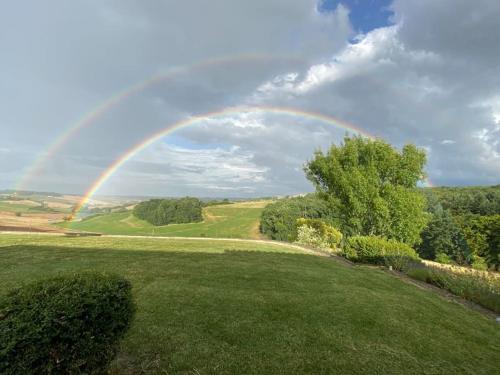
(372, 187)
(169, 211)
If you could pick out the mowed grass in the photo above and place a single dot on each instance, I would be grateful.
(238, 220)
(232, 307)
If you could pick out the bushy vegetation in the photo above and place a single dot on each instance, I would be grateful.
(460, 231)
(377, 250)
(442, 239)
(480, 287)
(372, 188)
(170, 211)
(316, 233)
(64, 325)
(279, 219)
(216, 202)
(479, 200)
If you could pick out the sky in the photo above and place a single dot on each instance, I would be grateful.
(425, 72)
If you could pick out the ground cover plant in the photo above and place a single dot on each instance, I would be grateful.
(482, 288)
(229, 306)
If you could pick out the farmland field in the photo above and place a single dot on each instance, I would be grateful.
(237, 220)
(226, 307)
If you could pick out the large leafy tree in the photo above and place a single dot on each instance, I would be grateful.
(444, 236)
(372, 187)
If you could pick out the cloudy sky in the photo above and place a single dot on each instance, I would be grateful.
(420, 71)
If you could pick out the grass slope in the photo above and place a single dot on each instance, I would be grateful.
(227, 307)
(238, 220)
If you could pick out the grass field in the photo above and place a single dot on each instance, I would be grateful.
(237, 220)
(232, 307)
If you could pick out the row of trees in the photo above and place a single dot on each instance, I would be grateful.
(478, 200)
(170, 211)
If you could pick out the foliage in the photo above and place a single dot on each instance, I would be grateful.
(479, 263)
(372, 187)
(482, 234)
(310, 236)
(279, 219)
(66, 324)
(378, 250)
(444, 258)
(443, 236)
(330, 235)
(480, 287)
(480, 200)
(170, 211)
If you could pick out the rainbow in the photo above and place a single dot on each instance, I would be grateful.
(130, 153)
(101, 109)
(133, 151)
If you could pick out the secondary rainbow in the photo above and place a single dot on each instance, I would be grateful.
(130, 153)
(110, 103)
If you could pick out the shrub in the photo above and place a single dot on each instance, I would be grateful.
(279, 219)
(480, 287)
(66, 324)
(378, 250)
(169, 211)
(310, 236)
(444, 259)
(329, 235)
(479, 263)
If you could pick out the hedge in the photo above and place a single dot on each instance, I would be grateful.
(378, 250)
(66, 324)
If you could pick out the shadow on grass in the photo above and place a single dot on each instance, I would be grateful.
(240, 311)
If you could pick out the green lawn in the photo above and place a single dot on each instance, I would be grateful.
(228, 221)
(228, 307)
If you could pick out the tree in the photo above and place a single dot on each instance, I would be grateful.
(279, 219)
(372, 187)
(444, 237)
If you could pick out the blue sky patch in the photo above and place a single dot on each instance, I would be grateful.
(365, 15)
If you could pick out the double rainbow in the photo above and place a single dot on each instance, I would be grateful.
(133, 151)
(91, 117)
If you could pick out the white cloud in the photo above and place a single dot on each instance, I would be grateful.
(432, 79)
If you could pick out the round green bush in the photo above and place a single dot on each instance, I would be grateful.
(64, 325)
